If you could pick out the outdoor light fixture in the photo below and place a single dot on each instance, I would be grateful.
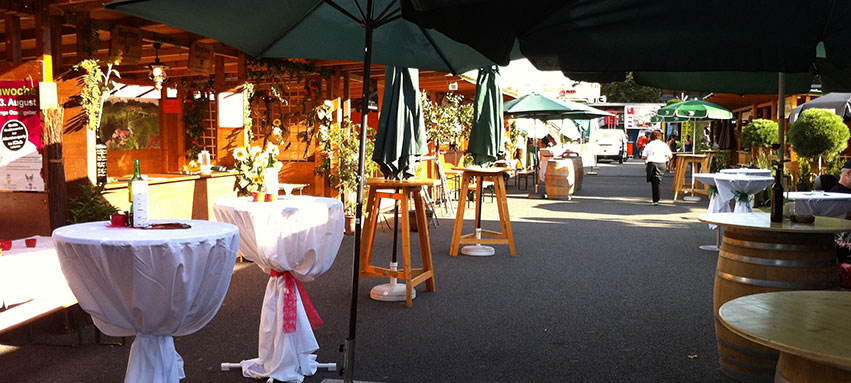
(158, 69)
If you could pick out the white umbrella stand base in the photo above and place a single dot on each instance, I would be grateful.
(237, 366)
(714, 247)
(391, 292)
(709, 248)
(692, 198)
(477, 250)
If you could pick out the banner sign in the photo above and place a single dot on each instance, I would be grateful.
(201, 58)
(20, 137)
(128, 42)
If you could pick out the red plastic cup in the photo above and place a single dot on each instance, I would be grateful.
(118, 220)
(30, 242)
(5, 244)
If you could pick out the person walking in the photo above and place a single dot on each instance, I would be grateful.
(656, 154)
(672, 144)
(641, 142)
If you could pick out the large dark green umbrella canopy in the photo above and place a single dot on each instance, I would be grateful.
(639, 35)
(401, 136)
(311, 29)
(536, 105)
(486, 137)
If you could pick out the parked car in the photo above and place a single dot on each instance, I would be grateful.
(611, 144)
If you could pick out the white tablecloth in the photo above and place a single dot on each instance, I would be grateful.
(153, 284)
(821, 203)
(300, 235)
(729, 184)
(716, 204)
(748, 172)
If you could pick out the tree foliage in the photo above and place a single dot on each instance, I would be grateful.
(629, 91)
(759, 132)
(818, 133)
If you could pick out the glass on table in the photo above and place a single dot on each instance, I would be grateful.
(788, 208)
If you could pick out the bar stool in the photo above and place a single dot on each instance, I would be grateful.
(505, 237)
(402, 191)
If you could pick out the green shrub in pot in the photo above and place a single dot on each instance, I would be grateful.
(759, 132)
(818, 133)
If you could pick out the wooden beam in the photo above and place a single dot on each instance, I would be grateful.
(17, 7)
(12, 26)
(240, 68)
(56, 42)
(219, 67)
(43, 35)
(82, 19)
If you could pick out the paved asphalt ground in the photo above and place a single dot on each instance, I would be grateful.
(604, 288)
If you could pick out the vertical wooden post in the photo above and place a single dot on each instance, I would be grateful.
(220, 73)
(13, 38)
(240, 68)
(56, 42)
(83, 20)
(42, 38)
(181, 128)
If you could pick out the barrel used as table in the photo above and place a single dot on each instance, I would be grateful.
(759, 256)
(564, 177)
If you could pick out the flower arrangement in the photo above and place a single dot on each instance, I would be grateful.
(251, 161)
(96, 88)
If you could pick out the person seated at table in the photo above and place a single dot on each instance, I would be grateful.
(844, 184)
(687, 144)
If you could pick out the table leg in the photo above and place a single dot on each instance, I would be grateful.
(425, 242)
(504, 217)
(406, 250)
(459, 217)
(153, 358)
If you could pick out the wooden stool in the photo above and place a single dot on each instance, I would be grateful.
(403, 190)
(497, 238)
(683, 160)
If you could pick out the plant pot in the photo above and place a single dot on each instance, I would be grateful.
(349, 228)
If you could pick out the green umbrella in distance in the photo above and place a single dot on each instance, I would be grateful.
(486, 138)
(401, 137)
(535, 105)
(695, 110)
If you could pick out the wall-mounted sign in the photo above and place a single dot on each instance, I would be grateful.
(201, 58)
(127, 41)
(20, 137)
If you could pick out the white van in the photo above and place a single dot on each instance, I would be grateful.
(612, 144)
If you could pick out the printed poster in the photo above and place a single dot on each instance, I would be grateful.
(20, 137)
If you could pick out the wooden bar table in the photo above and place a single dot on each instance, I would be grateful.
(505, 237)
(759, 256)
(810, 329)
(402, 190)
(683, 160)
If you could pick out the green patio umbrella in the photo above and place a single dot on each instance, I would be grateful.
(694, 111)
(367, 30)
(486, 138)
(401, 137)
(535, 105)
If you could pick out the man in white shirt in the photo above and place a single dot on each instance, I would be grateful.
(656, 154)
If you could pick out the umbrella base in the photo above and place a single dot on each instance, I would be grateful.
(709, 247)
(477, 251)
(391, 292)
(692, 198)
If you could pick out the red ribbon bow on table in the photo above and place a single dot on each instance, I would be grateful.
(290, 302)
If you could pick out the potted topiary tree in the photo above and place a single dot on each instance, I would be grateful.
(760, 133)
(818, 133)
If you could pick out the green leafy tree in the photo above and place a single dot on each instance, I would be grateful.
(818, 133)
(629, 91)
(759, 132)
(449, 121)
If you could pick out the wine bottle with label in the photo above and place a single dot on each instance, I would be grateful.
(270, 179)
(137, 176)
(100, 161)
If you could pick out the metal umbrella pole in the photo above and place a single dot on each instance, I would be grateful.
(478, 250)
(349, 345)
(392, 292)
(693, 197)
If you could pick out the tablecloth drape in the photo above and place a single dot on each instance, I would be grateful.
(728, 185)
(716, 203)
(825, 204)
(297, 234)
(153, 284)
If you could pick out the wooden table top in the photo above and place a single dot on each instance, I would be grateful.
(696, 155)
(811, 324)
(762, 221)
(473, 171)
(412, 182)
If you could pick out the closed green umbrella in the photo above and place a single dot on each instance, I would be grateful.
(486, 138)
(401, 136)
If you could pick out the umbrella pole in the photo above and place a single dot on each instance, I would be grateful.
(693, 197)
(349, 346)
(392, 292)
(777, 189)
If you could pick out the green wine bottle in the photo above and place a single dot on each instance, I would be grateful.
(137, 175)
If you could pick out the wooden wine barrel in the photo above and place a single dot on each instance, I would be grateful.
(564, 177)
(753, 261)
